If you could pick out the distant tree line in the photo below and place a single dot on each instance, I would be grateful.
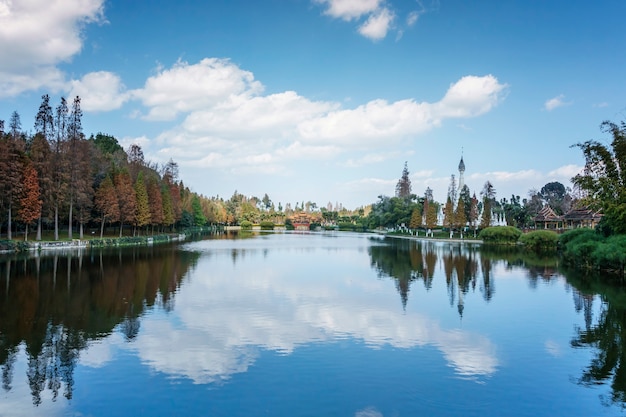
(464, 209)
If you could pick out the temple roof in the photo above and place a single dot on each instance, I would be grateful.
(546, 214)
(582, 214)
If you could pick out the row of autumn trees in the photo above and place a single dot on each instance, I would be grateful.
(57, 177)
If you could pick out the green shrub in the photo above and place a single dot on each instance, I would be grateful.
(246, 225)
(500, 235)
(14, 245)
(581, 234)
(267, 225)
(346, 226)
(577, 246)
(610, 254)
(540, 240)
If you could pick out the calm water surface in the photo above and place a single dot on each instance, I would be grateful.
(307, 325)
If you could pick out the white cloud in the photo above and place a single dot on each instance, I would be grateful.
(377, 24)
(411, 19)
(471, 96)
(370, 124)
(555, 102)
(372, 158)
(99, 91)
(229, 123)
(37, 35)
(378, 15)
(185, 87)
(379, 123)
(213, 339)
(349, 9)
(368, 412)
(252, 116)
(14, 83)
(553, 348)
(566, 171)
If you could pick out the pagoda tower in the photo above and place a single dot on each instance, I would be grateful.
(461, 172)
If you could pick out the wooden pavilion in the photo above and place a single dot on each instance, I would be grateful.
(548, 219)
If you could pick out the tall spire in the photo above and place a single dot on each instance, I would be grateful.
(461, 172)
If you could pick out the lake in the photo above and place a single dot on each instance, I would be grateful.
(307, 324)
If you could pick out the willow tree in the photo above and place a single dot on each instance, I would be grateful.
(604, 177)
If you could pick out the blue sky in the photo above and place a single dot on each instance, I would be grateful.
(324, 100)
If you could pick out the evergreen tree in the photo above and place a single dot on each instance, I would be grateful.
(168, 211)
(431, 215)
(448, 214)
(58, 172)
(489, 194)
(30, 202)
(403, 187)
(452, 191)
(198, 216)
(44, 122)
(155, 201)
(142, 208)
(15, 125)
(41, 157)
(464, 194)
(107, 203)
(126, 198)
(76, 160)
(460, 220)
(11, 170)
(473, 217)
(416, 219)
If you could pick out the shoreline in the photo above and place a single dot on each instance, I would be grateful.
(435, 239)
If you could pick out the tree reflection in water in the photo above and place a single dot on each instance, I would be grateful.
(606, 335)
(54, 305)
(465, 266)
(408, 261)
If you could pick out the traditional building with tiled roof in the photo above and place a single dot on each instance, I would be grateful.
(548, 219)
(581, 217)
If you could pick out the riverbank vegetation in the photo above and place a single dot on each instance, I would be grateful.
(501, 235)
(603, 183)
(57, 179)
